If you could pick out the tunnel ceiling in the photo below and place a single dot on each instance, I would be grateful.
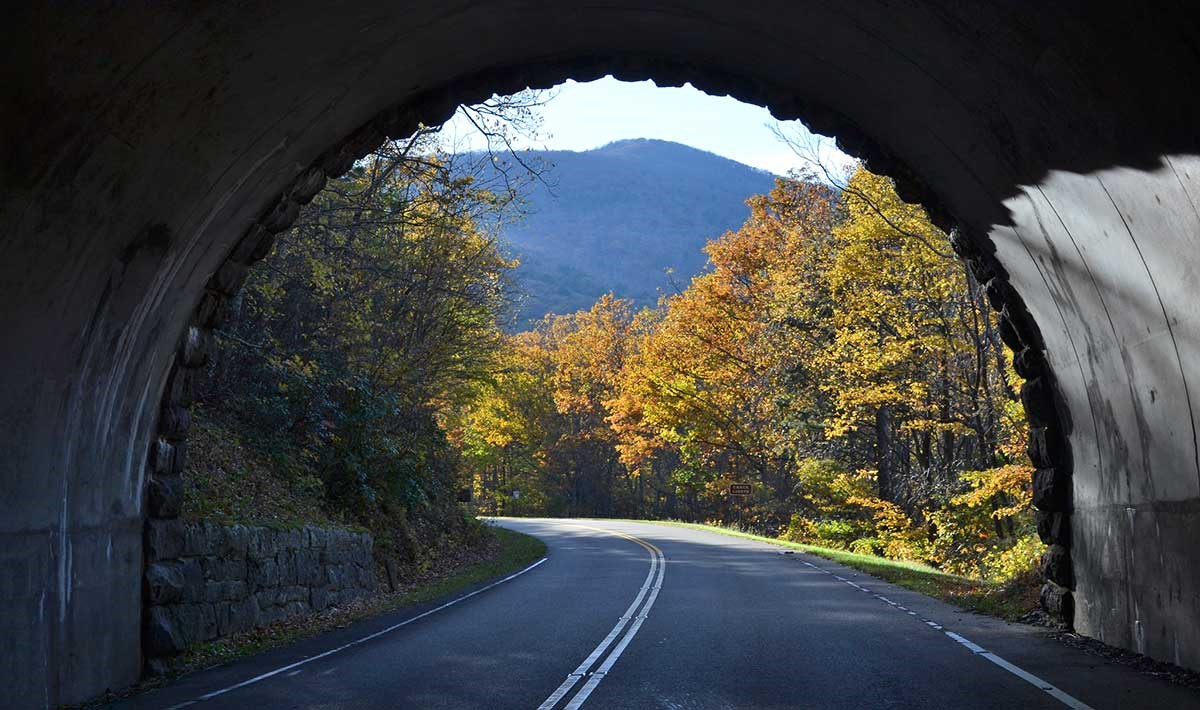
(141, 143)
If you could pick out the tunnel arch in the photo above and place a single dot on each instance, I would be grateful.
(160, 149)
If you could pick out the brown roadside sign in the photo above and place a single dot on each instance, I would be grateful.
(739, 489)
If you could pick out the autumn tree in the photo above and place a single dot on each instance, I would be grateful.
(912, 353)
(834, 355)
(546, 405)
(719, 380)
(507, 429)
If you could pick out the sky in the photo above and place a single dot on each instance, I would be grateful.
(584, 116)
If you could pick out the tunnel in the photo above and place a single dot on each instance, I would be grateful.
(152, 150)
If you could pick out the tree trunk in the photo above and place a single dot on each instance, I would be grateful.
(883, 451)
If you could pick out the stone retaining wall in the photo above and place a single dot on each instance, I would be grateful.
(212, 581)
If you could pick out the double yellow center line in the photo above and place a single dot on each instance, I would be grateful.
(589, 672)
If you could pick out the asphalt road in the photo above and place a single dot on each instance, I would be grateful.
(629, 615)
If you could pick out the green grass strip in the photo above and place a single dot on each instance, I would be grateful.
(1008, 601)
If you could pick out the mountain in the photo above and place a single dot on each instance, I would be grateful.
(616, 218)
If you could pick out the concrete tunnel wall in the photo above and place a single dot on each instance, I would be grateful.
(141, 142)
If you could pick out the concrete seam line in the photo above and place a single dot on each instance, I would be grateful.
(1042, 685)
(653, 577)
(364, 639)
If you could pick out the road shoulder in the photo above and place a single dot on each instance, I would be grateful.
(236, 659)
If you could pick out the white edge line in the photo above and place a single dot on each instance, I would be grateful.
(364, 639)
(1021, 673)
(1045, 686)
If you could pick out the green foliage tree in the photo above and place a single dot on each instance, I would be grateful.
(381, 308)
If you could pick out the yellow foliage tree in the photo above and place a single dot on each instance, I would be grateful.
(909, 358)
(713, 376)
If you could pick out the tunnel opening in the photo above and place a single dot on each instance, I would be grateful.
(1047, 448)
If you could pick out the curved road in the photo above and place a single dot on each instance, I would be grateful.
(632, 615)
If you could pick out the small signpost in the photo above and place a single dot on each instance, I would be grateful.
(740, 490)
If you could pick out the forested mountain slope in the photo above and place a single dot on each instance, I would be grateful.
(615, 218)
